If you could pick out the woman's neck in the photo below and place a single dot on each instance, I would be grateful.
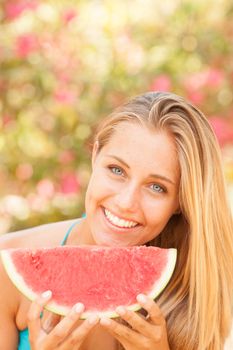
(80, 234)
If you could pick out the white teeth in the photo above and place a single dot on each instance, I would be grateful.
(119, 222)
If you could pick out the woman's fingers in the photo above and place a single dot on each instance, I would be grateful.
(33, 317)
(155, 315)
(49, 333)
(137, 322)
(151, 327)
(64, 334)
(143, 333)
(64, 328)
(78, 335)
(120, 331)
(49, 321)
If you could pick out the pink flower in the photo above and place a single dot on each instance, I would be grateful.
(14, 9)
(24, 171)
(222, 129)
(195, 81)
(214, 77)
(161, 83)
(63, 76)
(65, 96)
(211, 77)
(69, 15)
(37, 202)
(45, 188)
(196, 97)
(26, 44)
(7, 120)
(66, 157)
(69, 183)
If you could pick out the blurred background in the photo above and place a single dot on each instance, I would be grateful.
(66, 64)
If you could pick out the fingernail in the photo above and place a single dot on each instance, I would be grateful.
(141, 298)
(105, 321)
(79, 307)
(47, 294)
(121, 310)
(93, 319)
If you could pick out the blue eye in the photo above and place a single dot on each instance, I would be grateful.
(157, 188)
(116, 170)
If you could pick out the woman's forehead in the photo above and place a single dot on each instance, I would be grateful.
(146, 135)
(143, 147)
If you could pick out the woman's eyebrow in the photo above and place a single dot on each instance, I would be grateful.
(156, 176)
(119, 159)
(162, 177)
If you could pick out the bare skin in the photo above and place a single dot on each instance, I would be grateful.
(129, 200)
(17, 313)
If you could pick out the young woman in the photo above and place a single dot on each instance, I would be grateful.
(157, 180)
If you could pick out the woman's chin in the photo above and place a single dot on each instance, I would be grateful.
(104, 239)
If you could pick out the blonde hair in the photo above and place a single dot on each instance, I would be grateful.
(197, 303)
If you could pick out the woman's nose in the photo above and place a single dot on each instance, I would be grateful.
(128, 198)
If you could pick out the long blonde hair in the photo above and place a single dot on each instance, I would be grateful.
(197, 303)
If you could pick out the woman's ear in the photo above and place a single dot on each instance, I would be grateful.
(178, 211)
(95, 151)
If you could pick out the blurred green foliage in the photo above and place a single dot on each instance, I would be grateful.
(66, 64)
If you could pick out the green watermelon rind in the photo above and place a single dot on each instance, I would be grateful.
(56, 308)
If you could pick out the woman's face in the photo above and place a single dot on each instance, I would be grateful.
(133, 190)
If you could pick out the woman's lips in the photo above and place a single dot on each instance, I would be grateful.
(118, 222)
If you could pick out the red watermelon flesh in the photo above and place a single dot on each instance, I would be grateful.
(102, 278)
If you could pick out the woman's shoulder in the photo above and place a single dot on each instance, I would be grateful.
(40, 236)
(14, 305)
(9, 301)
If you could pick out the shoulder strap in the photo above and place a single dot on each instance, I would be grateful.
(63, 242)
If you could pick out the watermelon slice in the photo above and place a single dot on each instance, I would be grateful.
(102, 278)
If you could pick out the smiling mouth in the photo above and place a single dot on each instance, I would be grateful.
(119, 222)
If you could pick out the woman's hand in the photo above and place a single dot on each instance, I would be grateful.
(65, 334)
(144, 333)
